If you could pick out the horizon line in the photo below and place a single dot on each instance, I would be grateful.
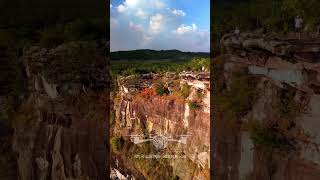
(161, 50)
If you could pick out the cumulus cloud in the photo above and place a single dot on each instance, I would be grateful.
(131, 3)
(182, 29)
(126, 36)
(178, 12)
(140, 8)
(141, 14)
(155, 23)
(121, 8)
(198, 41)
(156, 4)
(136, 27)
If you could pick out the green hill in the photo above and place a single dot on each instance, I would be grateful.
(148, 54)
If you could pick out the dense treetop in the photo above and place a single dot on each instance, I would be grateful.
(273, 15)
(148, 54)
(52, 22)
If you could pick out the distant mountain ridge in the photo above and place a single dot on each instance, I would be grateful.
(149, 54)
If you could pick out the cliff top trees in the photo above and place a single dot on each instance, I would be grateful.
(194, 105)
(239, 98)
(185, 90)
(160, 88)
(50, 21)
(117, 143)
(274, 15)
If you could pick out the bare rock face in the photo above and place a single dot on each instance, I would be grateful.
(60, 130)
(291, 48)
(276, 137)
(170, 115)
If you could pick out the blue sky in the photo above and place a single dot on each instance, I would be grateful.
(160, 25)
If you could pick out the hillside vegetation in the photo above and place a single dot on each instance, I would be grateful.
(275, 15)
(148, 54)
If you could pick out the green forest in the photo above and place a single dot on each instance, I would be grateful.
(51, 22)
(148, 54)
(145, 61)
(276, 16)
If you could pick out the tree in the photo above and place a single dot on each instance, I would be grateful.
(160, 88)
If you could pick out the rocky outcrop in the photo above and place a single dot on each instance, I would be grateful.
(60, 129)
(169, 115)
(284, 78)
(295, 50)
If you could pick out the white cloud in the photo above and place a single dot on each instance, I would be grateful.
(155, 4)
(182, 29)
(136, 27)
(197, 41)
(159, 4)
(140, 13)
(129, 36)
(178, 12)
(121, 8)
(132, 3)
(153, 24)
(194, 27)
(146, 39)
(156, 23)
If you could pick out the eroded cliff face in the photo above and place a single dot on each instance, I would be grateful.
(60, 129)
(276, 135)
(139, 110)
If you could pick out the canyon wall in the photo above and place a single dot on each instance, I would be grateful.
(60, 128)
(140, 111)
(266, 115)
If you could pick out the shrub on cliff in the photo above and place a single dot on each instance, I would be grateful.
(174, 177)
(84, 29)
(196, 64)
(185, 90)
(147, 93)
(52, 37)
(268, 137)
(194, 105)
(287, 105)
(129, 72)
(160, 88)
(239, 98)
(117, 143)
(200, 94)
